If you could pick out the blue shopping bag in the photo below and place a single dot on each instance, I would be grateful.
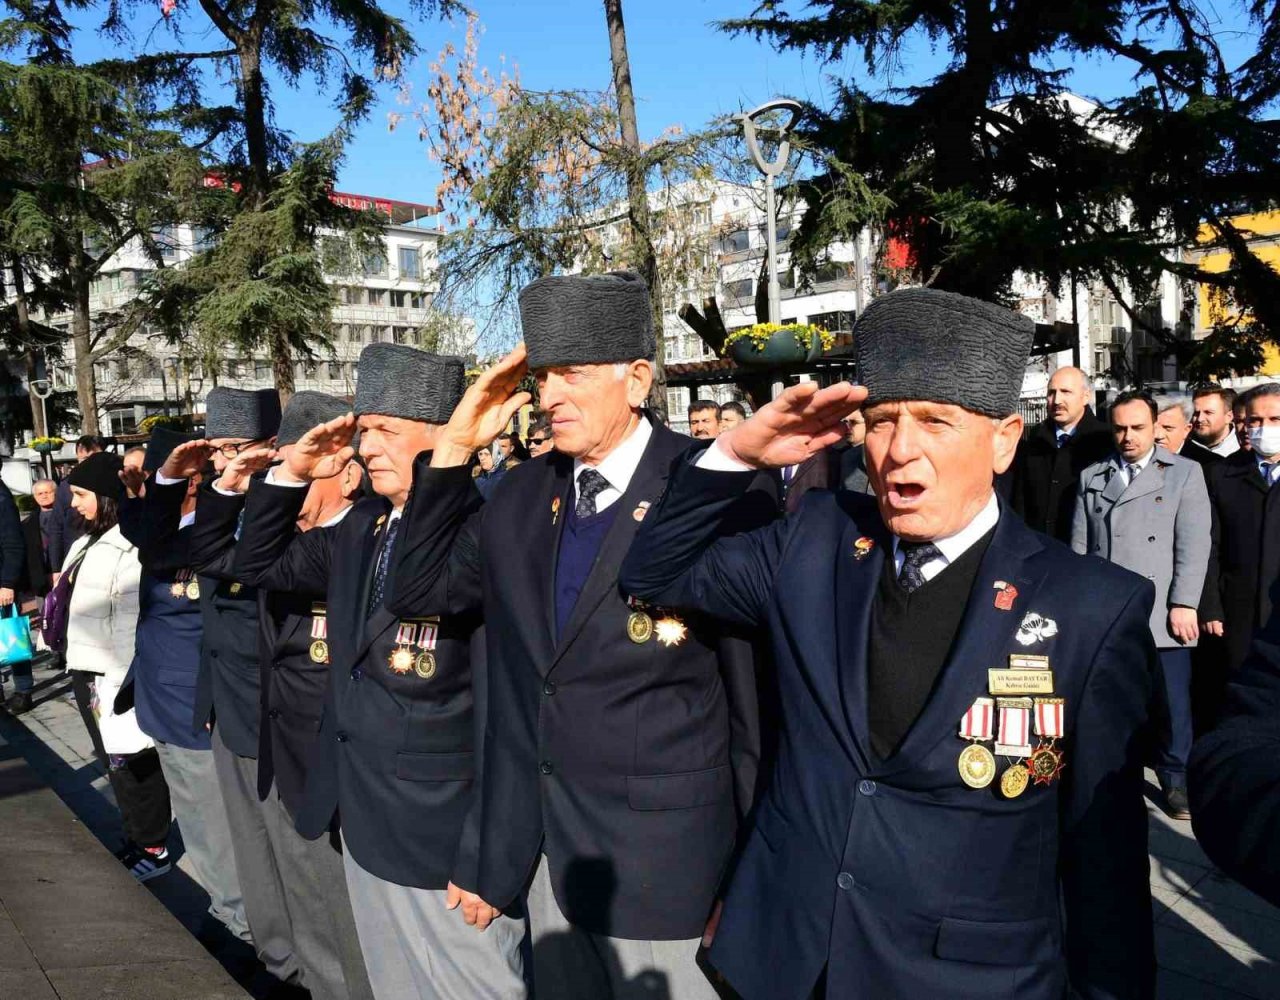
(15, 637)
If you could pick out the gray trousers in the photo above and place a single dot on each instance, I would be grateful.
(196, 798)
(415, 949)
(265, 903)
(573, 964)
(324, 930)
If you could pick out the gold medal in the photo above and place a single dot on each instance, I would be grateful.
(977, 766)
(176, 589)
(639, 627)
(425, 666)
(319, 651)
(1014, 781)
(671, 631)
(193, 591)
(1045, 764)
(401, 661)
(235, 589)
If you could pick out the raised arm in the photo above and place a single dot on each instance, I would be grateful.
(151, 522)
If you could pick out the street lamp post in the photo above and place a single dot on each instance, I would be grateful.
(43, 388)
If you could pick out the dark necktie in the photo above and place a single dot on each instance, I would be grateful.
(384, 562)
(1134, 471)
(1063, 438)
(1268, 472)
(590, 485)
(914, 556)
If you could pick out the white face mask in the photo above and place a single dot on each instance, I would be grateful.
(1265, 440)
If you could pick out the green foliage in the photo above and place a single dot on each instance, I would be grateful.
(988, 171)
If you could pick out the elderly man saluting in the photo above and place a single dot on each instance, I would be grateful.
(956, 809)
(618, 755)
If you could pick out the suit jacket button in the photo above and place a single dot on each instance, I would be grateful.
(356, 673)
(1097, 510)
(867, 787)
(845, 881)
(548, 688)
(342, 737)
(273, 713)
(545, 767)
(1151, 538)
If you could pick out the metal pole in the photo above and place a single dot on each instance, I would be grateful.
(771, 230)
(48, 458)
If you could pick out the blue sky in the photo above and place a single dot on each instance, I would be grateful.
(684, 70)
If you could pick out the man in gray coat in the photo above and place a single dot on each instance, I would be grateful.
(1147, 510)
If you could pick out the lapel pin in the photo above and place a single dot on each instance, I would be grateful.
(1006, 594)
(1034, 628)
(862, 547)
(555, 510)
(642, 508)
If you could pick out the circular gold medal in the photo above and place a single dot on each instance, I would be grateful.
(977, 766)
(425, 666)
(401, 661)
(319, 651)
(193, 591)
(235, 589)
(639, 627)
(176, 589)
(1013, 782)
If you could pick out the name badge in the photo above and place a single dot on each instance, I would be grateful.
(1023, 681)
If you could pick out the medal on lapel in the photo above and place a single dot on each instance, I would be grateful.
(424, 664)
(1014, 740)
(555, 510)
(1006, 594)
(639, 627)
(670, 630)
(977, 764)
(193, 590)
(642, 508)
(1046, 761)
(319, 634)
(1013, 782)
(179, 586)
(401, 659)
(862, 547)
(235, 589)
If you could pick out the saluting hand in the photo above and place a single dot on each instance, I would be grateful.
(186, 460)
(484, 411)
(475, 911)
(134, 480)
(801, 421)
(322, 452)
(240, 470)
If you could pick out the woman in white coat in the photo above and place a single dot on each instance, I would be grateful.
(102, 621)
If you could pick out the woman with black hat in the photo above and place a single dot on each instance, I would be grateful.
(102, 622)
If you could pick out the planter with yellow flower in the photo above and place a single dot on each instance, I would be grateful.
(47, 445)
(773, 345)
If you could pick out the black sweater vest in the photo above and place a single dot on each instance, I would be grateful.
(911, 637)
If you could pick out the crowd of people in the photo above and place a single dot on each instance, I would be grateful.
(847, 697)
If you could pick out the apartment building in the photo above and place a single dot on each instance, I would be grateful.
(388, 300)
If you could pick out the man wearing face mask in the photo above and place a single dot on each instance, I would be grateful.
(1246, 560)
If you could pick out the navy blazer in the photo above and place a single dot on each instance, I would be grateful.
(893, 875)
(1233, 777)
(395, 755)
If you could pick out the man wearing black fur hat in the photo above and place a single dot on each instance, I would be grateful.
(293, 671)
(227, 691)
(620, 752)
(395, 756)
(957, 808)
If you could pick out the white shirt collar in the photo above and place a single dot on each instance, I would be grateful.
(337, 518)
(1141, 463)
(620, 464)
(1227, 447)
(187, 519)
(954, 546)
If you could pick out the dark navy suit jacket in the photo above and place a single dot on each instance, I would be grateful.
(893, 875)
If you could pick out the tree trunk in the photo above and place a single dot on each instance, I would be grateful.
(282, 366)
(255, 119)
(82, 343)
(23, 314)
(638, 195)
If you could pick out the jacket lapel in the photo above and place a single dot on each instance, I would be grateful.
(857, 577)
(1115, 487)
(647, 483)
(548, 528)
(985, 635)
(375, 624)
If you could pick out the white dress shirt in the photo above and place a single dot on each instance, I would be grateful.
(1268, 469)
(617, 467)
(1141, 463)
(954, 546)
(950, 548)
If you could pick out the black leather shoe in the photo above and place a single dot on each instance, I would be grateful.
(1175, 802)
(18, 703)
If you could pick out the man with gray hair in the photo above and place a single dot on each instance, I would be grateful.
(1173, 431)
(622, 749)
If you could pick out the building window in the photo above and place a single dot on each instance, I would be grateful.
(202, 238)
(167, 241)
(735, 242)
(740, 289)
(410, 262)
(375, 265)
(418, 300)
(261, 369)
(377, 297)
(836, 322)
(401, 335)
(397, 299)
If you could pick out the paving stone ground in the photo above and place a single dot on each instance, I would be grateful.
(1215, 940)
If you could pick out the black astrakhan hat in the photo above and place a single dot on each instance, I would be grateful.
(100, 474)
(586, 320)
(242, 413)
(163, 441)
(395, 380)
(929, 345)
(306, 410)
